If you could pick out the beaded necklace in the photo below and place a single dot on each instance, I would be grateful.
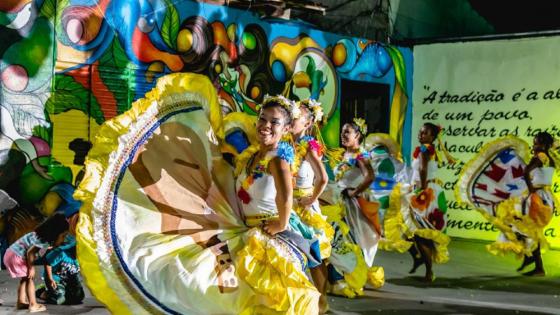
(303, 145)
(284, 151)
(348, 162)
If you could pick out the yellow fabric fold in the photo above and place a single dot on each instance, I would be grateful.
(357, 279)
(376, 276)
(507, 215)
(354, 282)
(89, 264)
(283, 288)
(503, 248)
(170, 89)
(441, 254)
(317, 222)
(393, 225)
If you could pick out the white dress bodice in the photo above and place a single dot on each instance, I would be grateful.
(262, 192)
(352, 177)
(417, 164)
(305, 175)
(542, 176)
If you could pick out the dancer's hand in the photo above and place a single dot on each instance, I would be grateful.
(52, 283)
(351, 192)
(31, 273)
(306, 202)
(273, 227)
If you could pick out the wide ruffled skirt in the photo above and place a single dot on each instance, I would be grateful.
(521, 221)
(422, 214)
(356, 236)
(160, 230)
(316, 221)
(493, 183)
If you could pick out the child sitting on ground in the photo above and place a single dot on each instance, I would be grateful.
(20, 256)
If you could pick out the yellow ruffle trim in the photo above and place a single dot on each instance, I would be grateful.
(502, 248)
(281, 287)
(441, 254)
(507, 215)
(318, 222)
(394, 227)
(384, 139)
(334, 213)
(376, 276)
(89, 264)
(355, 281)
(169, 90)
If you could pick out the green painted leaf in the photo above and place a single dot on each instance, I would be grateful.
(117, 74)
(114, 56)
(43, 133)
(5, 18)
(399, 66)
(170, 27)
(311, 66)
(48, 9)
(68, 94)
(59, 8)
(380, 150)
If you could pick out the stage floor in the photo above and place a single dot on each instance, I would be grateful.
(472, 282)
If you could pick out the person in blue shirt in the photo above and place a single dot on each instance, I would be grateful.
(63, 284)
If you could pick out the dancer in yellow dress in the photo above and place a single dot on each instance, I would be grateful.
(310, 182)
(538, 206)
(165, 228)
(513, 195)
(423, 205)
(357, 226)
(390, 170)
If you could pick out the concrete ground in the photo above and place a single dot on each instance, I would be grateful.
(473, 282)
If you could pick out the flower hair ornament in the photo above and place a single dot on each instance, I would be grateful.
(361, 123)
(289, 105)
(315, 107)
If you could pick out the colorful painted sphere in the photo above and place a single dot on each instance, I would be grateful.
(184, 40)
(278, 71)
(339, 54)
(249, 41)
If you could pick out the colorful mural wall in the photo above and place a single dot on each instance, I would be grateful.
(66, 66)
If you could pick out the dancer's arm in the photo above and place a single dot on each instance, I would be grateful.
(369, 176)
(280, 171)
(425, 156)
(321, 178)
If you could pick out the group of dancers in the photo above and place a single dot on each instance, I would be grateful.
(289, 235)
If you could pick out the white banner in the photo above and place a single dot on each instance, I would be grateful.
(479, 91)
